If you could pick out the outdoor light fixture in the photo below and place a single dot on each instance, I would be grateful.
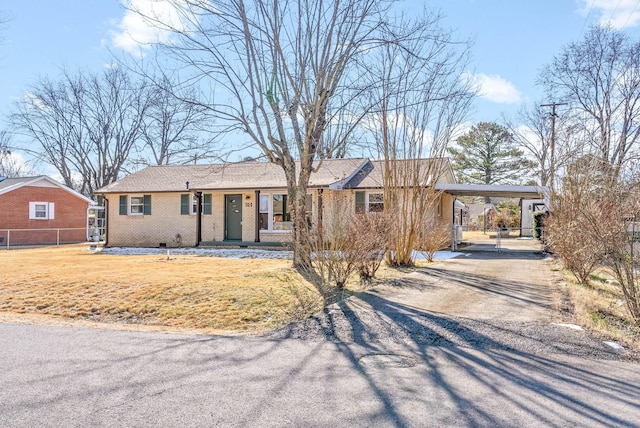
(247, 196)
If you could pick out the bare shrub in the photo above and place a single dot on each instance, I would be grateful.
(578, 250)
(433, 235)
(576, 211)
(332, 261)
(344, 244)
(368, 232)
(618, 229)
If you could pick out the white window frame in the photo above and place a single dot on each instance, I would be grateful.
(368, 201)
(35, 208)
(131, 204)
(269, 213)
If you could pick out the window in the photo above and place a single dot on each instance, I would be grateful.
(137, 205)
(281, 212)
(369, 202)
(192, 200)
(41, 211)
(275, 212)
(375, 202)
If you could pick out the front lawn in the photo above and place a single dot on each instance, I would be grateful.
(179, 291)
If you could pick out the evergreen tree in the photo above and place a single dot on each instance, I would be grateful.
(488, 154)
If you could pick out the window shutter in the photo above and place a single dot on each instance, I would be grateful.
(146, 208)
(32, 210)
(184, 204)
(51, 211)
(360, 203)
(206, 208)
(123, 204)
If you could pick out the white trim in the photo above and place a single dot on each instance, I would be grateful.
(367, 201)
(129, 204)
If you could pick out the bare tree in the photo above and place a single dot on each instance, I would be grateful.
(600, 77)
(551, 150)
(85, 125)
(172, 127)
(10, 166)
(282, 71)
(420, 100)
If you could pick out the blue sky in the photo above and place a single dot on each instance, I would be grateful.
(513, 39)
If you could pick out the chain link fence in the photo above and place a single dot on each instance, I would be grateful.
(54, 236)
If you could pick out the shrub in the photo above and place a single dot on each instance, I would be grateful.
(538, 224)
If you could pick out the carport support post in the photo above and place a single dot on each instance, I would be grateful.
(453, 225)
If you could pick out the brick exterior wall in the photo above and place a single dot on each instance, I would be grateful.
(165, 222)
(70, 212)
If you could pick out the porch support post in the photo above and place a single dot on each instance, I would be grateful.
(257, 216)
(319, 214)
(198, 218)
(521, 225)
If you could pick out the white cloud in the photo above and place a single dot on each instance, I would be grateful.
(494, 88)
(617, 13)
(135, 33)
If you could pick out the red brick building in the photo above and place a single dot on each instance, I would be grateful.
(39, 210)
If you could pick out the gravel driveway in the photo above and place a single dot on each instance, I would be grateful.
(484, 300)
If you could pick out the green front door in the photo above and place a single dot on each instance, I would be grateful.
(233, 217)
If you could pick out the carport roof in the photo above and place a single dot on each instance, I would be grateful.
(498, 191)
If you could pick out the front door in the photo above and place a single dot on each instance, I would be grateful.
(233, 217)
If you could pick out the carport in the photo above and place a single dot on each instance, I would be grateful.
(498, 191)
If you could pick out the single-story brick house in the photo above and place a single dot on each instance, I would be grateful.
(242, 203)
(39, 210)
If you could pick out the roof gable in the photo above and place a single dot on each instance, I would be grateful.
(10, 184)
(371, 176)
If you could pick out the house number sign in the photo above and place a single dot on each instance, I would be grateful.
(248, 204)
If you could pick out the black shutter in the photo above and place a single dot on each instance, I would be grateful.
(360, 204)
(184, 204)
(146, 207)
(123, 204)
(206, 208)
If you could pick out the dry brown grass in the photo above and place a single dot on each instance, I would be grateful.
(185, 292)
(600, 307)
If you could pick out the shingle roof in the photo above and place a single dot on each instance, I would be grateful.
(10, 184)
(241, 175)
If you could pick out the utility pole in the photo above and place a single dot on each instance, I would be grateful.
(552, 163)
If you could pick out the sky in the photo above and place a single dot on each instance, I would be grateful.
(512, 41)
